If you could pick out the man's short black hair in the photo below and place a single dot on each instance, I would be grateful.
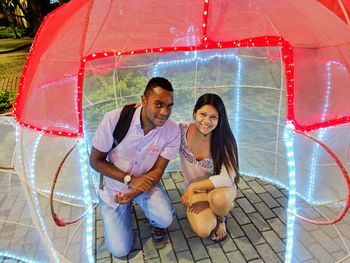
(158, 82)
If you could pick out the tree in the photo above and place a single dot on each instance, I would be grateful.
(32, 11)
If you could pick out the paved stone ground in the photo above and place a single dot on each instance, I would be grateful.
(11, 66)
(256, 232)
(256, 226)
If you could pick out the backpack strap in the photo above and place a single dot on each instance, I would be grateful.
(121, 129)
(123, 125)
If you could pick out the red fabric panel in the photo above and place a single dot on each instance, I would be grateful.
(335, 7)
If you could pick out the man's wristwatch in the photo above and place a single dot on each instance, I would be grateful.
(127, 179)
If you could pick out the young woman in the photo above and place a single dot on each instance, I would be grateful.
(209, 162)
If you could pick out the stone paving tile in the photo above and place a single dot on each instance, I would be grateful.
(267, 254)
(148, 249)
(180, 211)
(326, 242)
(269, 200)
(167, 254)
(186, 228)
(174, 195)
(174, 225)
(273, 191)
(257, 261)
(169, 184)
(228, 245)
(259, 222)
(277, 226)
(207, 260)
(264, 210)
(184, 257)
(197, 248)
(243, 185)
(273, 240)
(138, 212)
(283, 201)
(239, 193)
(178, 240)
(177, 177)
(245, 205)
(119, 260)
(235, 257)
(233, 228)
(251, 196)
(144, 228)
(136, 257)
(256, 187)
(246, 248)
(281, 214)
(253, 234)
(339, 255)
(240, 215)
(216, 253)
(101, 250)
(319, 253)
(300, 252)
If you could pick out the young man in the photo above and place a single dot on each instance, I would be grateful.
(133, 169)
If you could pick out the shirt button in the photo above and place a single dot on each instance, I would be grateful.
(139, 150)
(135, 162)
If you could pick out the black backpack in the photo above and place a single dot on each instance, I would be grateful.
(121, 129)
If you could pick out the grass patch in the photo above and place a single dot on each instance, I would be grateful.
(6, 100)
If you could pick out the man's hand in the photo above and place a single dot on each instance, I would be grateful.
(125, 198)
(142, 183)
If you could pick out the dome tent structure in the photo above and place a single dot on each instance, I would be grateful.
(273, 62)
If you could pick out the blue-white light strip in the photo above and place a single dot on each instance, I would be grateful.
(35, 196)
(289, 140)
(87, 198)
(320, 134)
(16, 257)
(237, 98)
(195, 58)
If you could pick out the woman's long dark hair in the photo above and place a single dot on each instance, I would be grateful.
(223, 146)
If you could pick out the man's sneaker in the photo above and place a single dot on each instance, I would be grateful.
(158, 237)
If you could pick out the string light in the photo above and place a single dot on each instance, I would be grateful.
(322, 132)
(84, 167)
(288, 137)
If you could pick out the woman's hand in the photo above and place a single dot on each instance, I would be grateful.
(187, 196)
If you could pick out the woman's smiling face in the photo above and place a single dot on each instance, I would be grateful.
(206, 119)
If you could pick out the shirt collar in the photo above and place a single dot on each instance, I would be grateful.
(137, 120)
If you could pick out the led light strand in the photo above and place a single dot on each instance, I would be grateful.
(87, 198)
(321, 133)
(237, 96)
(35, 197)
(16, 257)
(289, 140)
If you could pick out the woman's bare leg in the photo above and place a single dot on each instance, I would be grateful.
(221, 202)
(204, 222)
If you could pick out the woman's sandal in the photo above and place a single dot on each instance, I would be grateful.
(219, 221)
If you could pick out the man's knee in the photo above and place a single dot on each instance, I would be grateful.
(119, 250)
(165, 219)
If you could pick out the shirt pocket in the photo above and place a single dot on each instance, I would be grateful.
(151, 157)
